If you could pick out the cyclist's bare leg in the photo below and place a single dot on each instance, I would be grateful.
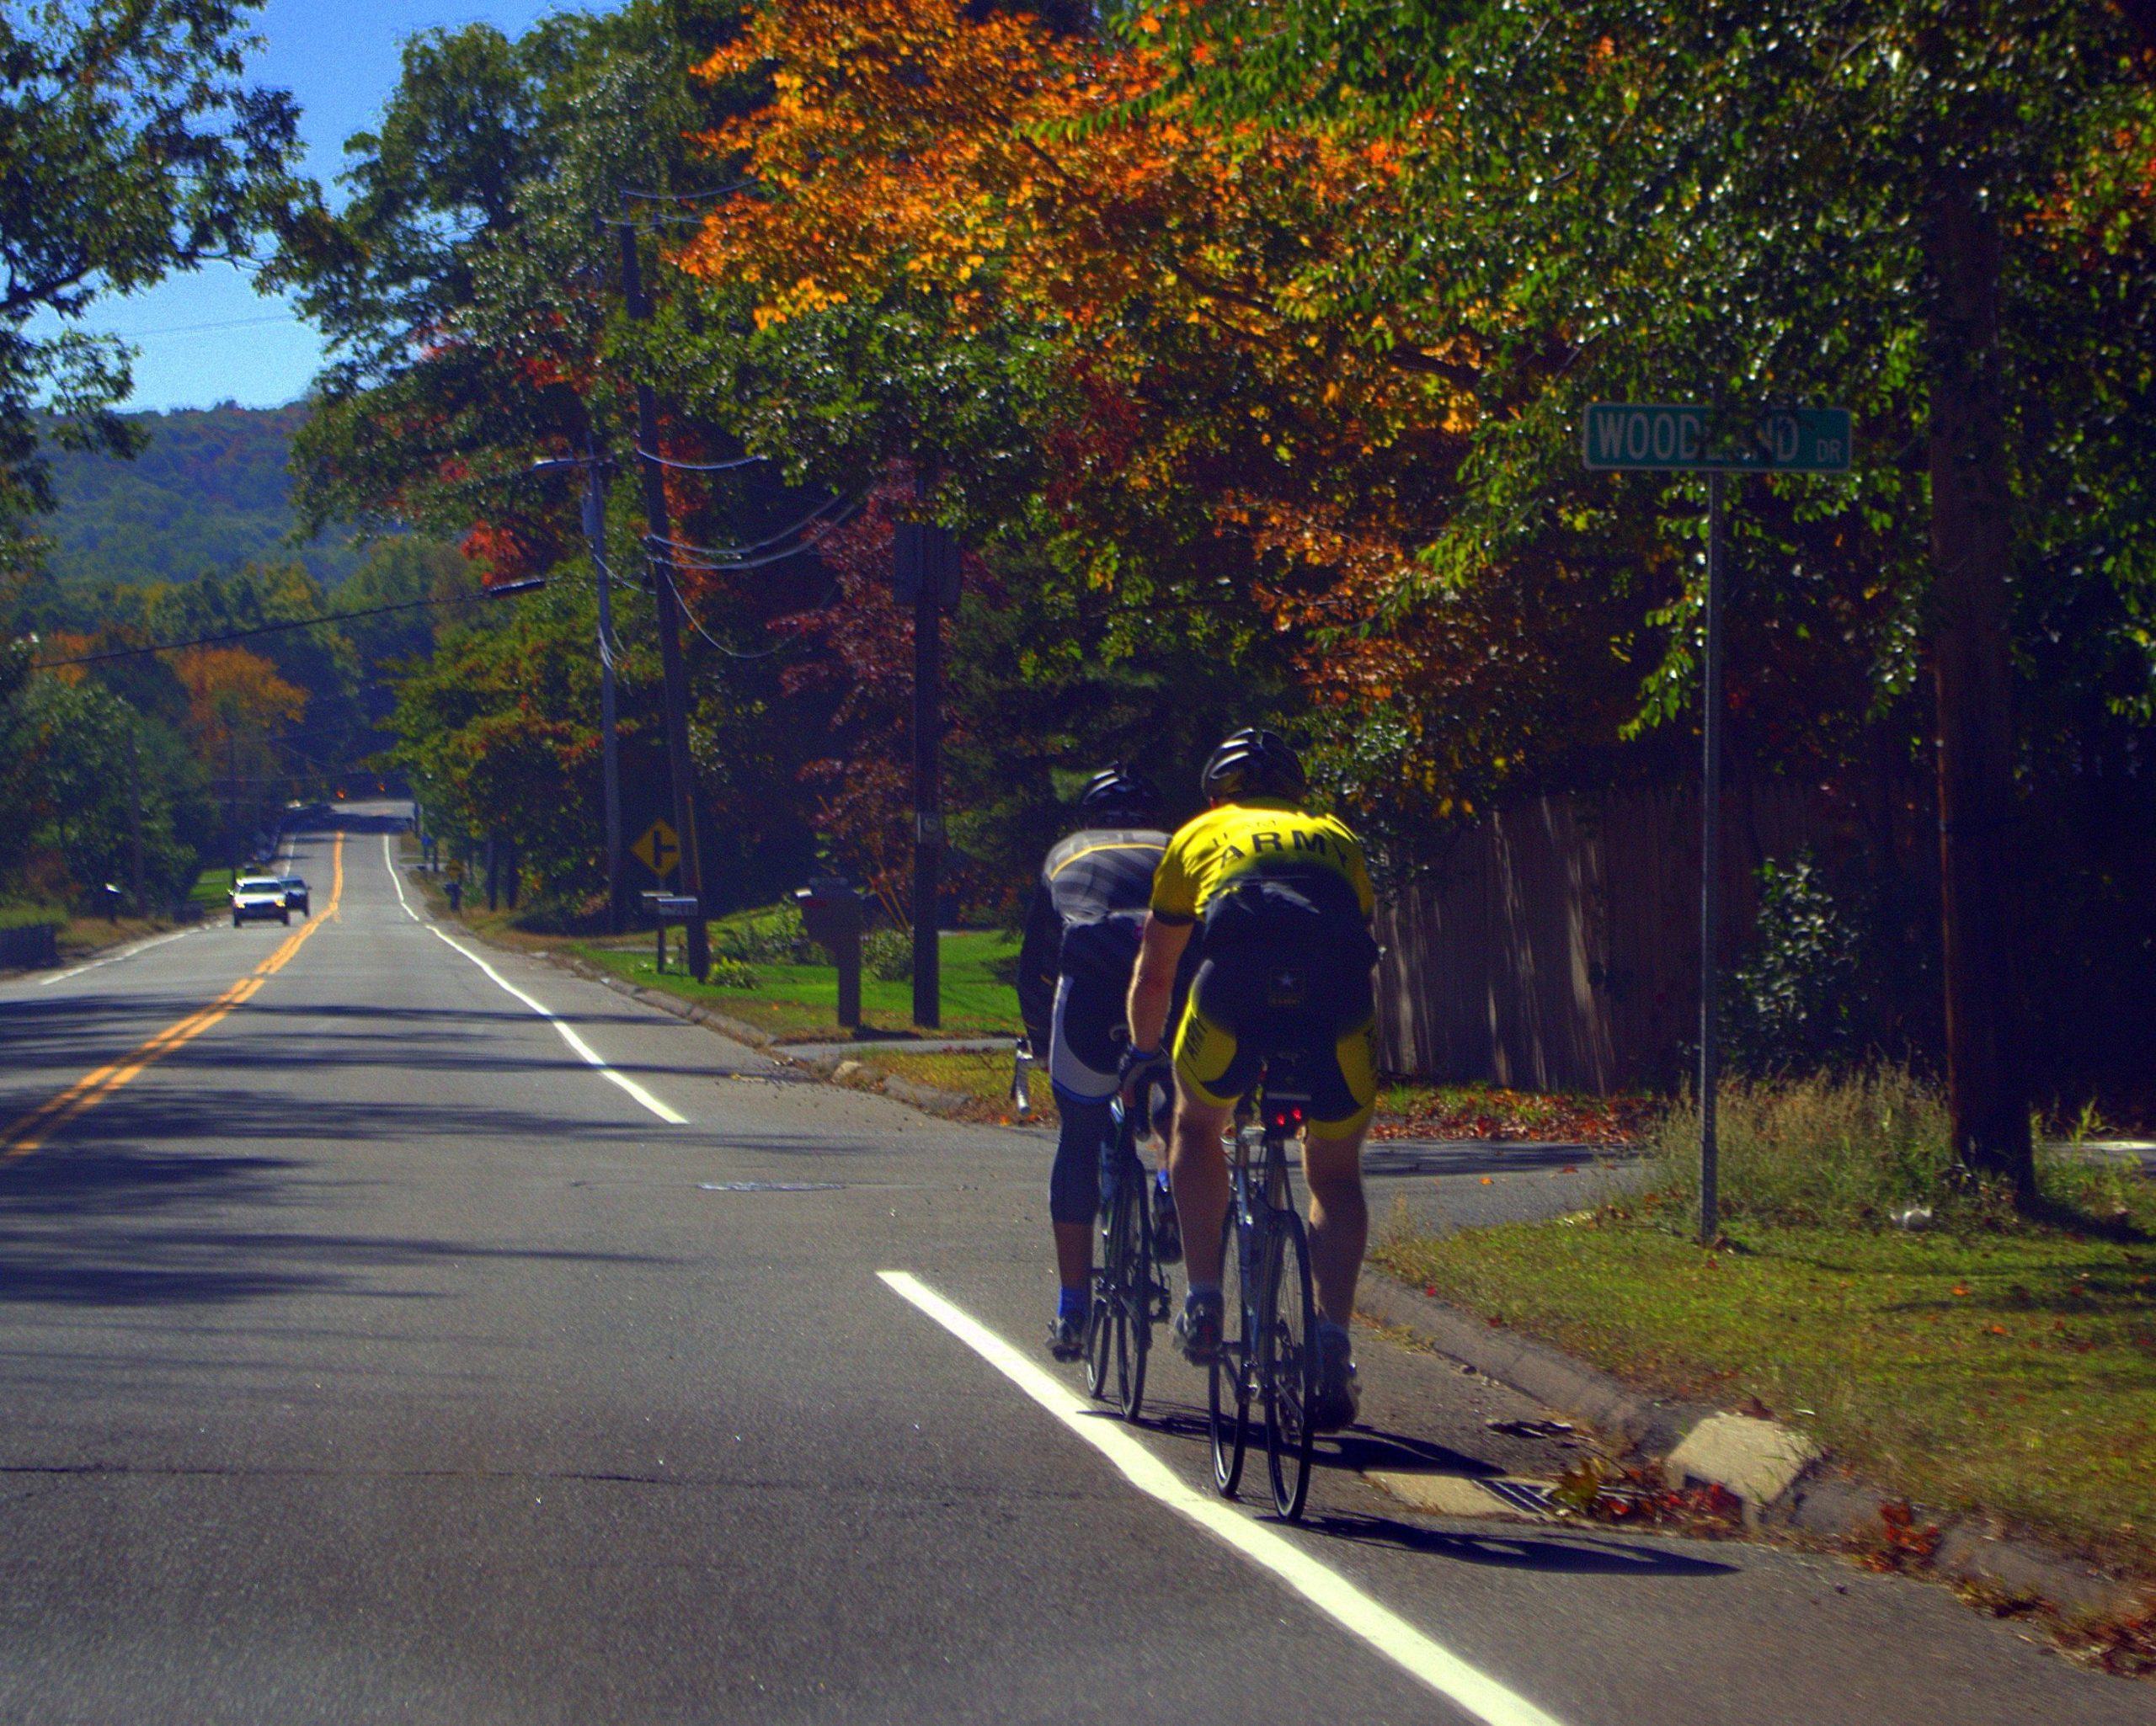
(1074, 1254)
(1340, 1222)
(1198, 1173)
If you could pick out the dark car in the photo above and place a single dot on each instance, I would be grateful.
(258, 898)
(295, 898)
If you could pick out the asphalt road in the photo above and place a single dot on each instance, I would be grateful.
(367, 1353)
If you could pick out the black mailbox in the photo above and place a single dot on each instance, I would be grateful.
(664, 908)
(830, 915)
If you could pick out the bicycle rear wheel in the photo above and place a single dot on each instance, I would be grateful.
(1101, 1321)
(1228, 1378)
(1133, 1286)
(1287, 1362)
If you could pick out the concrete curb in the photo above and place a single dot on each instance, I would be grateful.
(1639, 1425)
(1697, 1442)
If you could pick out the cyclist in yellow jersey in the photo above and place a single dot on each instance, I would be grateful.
(1280, 899)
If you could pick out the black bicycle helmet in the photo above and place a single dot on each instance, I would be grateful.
(1118, 790)
(1251, 762)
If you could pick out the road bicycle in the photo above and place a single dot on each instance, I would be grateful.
(1269, 1352)
(1130, 1285)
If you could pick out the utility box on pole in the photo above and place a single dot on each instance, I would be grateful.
(830, 914)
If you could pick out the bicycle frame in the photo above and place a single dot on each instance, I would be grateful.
(1266, 1355)
(1130, 1291)
(1258, 1184)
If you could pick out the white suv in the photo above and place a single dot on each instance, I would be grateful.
(260, 896)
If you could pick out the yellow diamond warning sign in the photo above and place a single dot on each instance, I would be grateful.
(660, 849)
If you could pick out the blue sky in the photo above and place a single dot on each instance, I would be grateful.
(209, 337)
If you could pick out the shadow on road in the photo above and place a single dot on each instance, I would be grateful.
(107, 1226)
(1576, 1555)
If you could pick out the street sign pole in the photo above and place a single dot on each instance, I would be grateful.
(1711, 876)
(1689, 437)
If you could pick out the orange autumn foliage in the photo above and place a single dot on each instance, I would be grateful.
(986, 172)
(233, 694)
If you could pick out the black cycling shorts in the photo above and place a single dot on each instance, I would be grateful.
(1247, 1008)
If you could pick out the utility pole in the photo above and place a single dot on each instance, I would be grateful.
(134, 813)
(610, 754)
(659, 548)
(928, 804)
(232, 798)
(925, 569)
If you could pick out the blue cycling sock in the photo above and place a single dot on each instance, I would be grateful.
(1160, 1178)
(1070, 1303)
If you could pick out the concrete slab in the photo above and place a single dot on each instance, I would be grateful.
(1755, 1461)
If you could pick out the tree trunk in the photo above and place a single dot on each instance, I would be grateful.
(1971, 551)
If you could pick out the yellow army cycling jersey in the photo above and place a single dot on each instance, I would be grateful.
(1238, 841)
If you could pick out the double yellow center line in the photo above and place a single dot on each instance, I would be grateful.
(26, 1133)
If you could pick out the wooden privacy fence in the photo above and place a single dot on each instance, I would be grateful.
(1555, 945)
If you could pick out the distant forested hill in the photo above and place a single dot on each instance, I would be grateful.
(206, 496)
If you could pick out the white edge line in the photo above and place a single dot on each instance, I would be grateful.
(396, 881)
(662, 1111)
(113, 958)
(1355, 1611)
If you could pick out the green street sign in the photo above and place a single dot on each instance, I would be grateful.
(1663, 437)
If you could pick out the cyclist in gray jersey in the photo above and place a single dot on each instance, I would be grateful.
(1074, 974)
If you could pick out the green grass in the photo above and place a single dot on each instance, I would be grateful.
(28, 916)
(983, 1076)
(2013, 1374)
(799, 1002)
(1990, 1362)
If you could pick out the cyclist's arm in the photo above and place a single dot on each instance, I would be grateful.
(1038, 956)
(1152, 985)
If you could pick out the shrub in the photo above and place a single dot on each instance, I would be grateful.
(886, 955)
(1796, 1004)
(770, 937)
(730, 974)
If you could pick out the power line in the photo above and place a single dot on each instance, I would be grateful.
(725, 191)
(726, 557)
(731, 652)
(703, 466)
(290, 318)
(266, 629)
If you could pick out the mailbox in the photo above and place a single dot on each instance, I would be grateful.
(664, 908)
(830, 914)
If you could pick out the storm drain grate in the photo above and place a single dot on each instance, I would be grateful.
(1530, 1496)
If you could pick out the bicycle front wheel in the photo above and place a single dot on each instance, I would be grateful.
(1287, 1362)
(1228, 1378)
